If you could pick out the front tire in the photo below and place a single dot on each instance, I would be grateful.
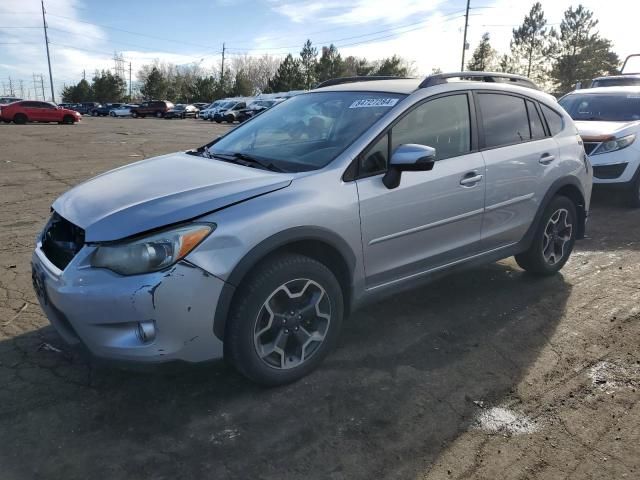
(553, 240)
(20, 119)
(68, 120)
(285, 319)
(134, 114)
(159, 115)
(633, 195)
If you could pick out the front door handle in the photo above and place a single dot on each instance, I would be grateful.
(546, 159)
(470, 179)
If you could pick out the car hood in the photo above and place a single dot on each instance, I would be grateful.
(161, 191)
(597, 131)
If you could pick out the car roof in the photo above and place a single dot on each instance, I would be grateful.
(402, 85)
(618, 77)
(409, 86)
(622, 90)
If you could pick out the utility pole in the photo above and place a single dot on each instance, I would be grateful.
(44, 98)
(130, 82)
(464, 42)
(35, 88)
(11, 87)
(46, 42)
(21, 89)
(222, 69)
(84, 74)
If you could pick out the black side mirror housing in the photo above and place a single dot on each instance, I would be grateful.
(409, 157)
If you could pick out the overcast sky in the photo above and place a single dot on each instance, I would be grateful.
(84, 34)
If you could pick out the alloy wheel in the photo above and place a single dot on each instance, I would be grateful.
(292, 324)
(557, 234)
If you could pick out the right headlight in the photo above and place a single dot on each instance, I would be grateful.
(614, 144)
(153, 252)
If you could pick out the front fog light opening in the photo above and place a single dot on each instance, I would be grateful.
(146, 331)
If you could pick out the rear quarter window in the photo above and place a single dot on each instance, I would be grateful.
(553, 118)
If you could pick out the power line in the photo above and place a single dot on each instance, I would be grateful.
(397, 27)
(208, 47)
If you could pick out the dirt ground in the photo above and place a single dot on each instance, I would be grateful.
(487, 374)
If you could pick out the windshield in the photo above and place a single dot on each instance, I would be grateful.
(308, 131)
(608, 107)
(179, 107)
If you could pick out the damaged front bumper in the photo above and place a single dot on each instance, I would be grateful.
(155, 317)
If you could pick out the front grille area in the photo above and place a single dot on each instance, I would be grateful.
(61, 241)
(590, 147)
(607, 172)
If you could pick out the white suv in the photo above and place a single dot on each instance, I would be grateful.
(608, 119)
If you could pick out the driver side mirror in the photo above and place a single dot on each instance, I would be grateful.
(409, 157)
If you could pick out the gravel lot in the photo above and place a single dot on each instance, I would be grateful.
(486, 374)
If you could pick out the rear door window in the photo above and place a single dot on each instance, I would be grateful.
(504, 119)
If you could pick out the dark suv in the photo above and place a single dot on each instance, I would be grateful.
(157, 108)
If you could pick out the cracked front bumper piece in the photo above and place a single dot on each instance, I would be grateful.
(155, 317)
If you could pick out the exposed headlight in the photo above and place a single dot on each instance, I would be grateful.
(614, 144)
(151, 253)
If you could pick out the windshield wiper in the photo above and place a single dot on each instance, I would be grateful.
(247, 160)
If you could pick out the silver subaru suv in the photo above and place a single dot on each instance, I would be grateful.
(258, 245)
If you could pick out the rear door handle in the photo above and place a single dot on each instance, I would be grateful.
(470, 179)
(546, 159)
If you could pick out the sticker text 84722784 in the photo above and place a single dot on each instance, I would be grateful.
(374, 102)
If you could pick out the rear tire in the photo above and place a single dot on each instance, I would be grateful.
(284, 320)
(134, 114)
(112, 114)
(94, 113)
(159, 115)
(553, 240)
(20, 119)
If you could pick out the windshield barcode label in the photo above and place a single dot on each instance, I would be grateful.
(374, 102)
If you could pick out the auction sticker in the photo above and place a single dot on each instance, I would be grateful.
(374, 102)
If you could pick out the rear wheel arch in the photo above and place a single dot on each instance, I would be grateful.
(319, 244)
(569, 187)
(574, 193)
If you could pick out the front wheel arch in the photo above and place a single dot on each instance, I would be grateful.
(318, 244)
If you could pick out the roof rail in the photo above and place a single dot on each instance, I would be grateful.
(490, 77)
(370, 78)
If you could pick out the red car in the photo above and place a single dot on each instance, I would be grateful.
(34, 111)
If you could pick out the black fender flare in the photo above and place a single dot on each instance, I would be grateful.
(266, 247)
(556, 186)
